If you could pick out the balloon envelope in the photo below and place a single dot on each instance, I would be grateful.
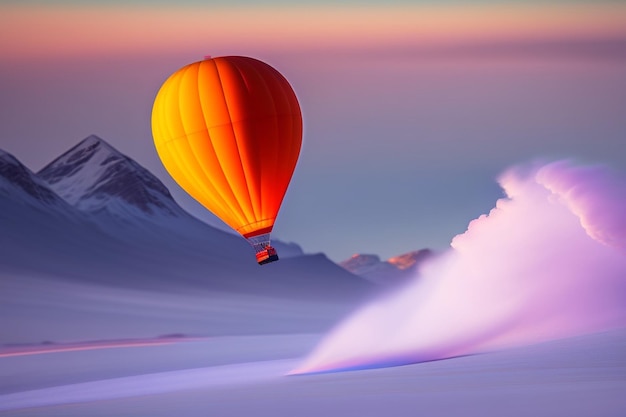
(229, 131)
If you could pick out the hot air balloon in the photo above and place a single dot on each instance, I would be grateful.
(229, 131)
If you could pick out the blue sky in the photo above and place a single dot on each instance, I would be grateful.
(410, 113)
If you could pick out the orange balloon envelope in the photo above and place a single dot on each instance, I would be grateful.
(229, 131)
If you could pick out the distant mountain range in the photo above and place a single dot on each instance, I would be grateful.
(392, 271)
(94, 214)
(93, 246)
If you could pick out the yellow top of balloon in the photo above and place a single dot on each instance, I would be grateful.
(229, 131)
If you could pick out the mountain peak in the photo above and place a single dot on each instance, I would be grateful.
(93, 175)
(410, 259)
(359, 261)
(92, 139)
(393, 270)
(95, 143)
(15, 174)
(75, 159)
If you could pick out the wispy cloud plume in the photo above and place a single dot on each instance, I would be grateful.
(549, 261)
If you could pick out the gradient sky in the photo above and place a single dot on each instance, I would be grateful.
(411, 109)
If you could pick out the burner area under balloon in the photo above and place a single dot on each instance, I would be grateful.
(265, 253)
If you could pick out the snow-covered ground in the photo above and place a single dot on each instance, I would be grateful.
(48, 310)
(245, 376)
(115, 302)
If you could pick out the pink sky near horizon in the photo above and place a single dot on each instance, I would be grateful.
(33, 32)
(411, 110)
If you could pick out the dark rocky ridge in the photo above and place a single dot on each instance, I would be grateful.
(17, 174)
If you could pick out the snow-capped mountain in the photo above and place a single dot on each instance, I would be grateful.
(120, 226)
(368, 266)
(39, 230)
(113, 190)
(410, 260)
(93, 176)
(391, 271)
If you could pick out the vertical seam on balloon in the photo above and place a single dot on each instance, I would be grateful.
(192, 187)
(234, 193)
(260, 213)
(247, 178)
(281, 82)
(178, 158)
(237, 143)
(289, 95)
(295, 127)
(183, 167)
(239, 212)
(290, 145)
(231, 200)
(277, 158)
(207, 184)
(168, 123)
(299, 126)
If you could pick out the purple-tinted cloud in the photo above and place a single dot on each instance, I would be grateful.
(595, 195)
(547, 262)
